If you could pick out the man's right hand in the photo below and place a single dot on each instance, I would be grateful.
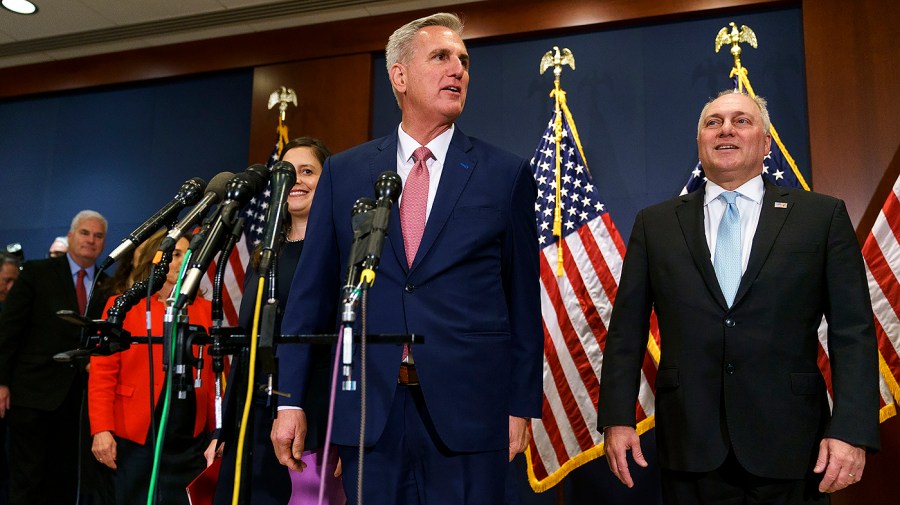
(288, 437)
(618, 441)
(4, 400)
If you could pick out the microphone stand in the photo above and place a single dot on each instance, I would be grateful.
(266, 345)
(217, 352)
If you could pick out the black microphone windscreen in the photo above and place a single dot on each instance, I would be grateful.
(217, 184)
(388, 185)
(257, 175)
(191, 191)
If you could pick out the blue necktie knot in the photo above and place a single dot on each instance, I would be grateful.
(729, 196)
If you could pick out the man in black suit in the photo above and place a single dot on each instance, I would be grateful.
(740, 274)
(9, 272)
(39, 397)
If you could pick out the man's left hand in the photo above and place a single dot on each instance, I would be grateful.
(518, 435)
(841, 462)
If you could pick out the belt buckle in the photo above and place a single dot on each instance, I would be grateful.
(407, 375)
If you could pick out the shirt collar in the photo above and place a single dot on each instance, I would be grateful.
(438, 146)
(752, 189)
(74, 268)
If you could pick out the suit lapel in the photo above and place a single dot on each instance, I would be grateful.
(64, 278)
(771, 220)
(458, 167)
(690, 217)
(386, 159)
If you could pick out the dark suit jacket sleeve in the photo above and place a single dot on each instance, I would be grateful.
(627, 337)
(14, 320)
(312, 303)
(521, 277)
(851, 338)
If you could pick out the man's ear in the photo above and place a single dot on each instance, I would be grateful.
(398, 77)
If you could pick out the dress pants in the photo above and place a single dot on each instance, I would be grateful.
(44, 452)
(730, 484)
(409, 465)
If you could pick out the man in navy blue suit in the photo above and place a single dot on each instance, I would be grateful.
(459, 266)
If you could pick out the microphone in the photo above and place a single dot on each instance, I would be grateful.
(214, 193)
(387, 190)
(361, 223)
(369, 221)
(189, 194)
(283, 178)
(239, 190)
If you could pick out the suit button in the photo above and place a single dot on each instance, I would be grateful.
(409, 288)
(729, 323)
(729, 369)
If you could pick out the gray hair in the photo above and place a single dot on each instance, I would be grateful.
(758, 100)
(399, 47)
(12, 259)
(88, 214)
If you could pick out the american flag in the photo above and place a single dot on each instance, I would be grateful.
(882, 254)
(780, 169)
(576, 303)
(254, 215)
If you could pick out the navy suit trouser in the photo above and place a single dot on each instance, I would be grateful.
(409, 465)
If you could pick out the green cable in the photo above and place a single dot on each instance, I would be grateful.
(164, 417)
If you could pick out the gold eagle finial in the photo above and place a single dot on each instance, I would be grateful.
(282, 97)
(556, 60)
(735, 37)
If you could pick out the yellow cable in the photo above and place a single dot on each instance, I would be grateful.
(248, 401)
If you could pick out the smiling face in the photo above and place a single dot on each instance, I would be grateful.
(308, 170)
(86, 241)
(732, 140)
(432, 85)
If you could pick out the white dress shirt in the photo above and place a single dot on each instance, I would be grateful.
(406, 146)
(749, 204)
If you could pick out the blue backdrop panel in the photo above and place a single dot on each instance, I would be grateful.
(122, 151)
(636, 95)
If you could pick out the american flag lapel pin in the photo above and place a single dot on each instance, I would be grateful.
(780, 205)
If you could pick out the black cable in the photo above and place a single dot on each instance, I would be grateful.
(152, 440)
(362, 399)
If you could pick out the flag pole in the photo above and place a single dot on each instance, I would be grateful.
(556, 60)
(282, 97)
(735, 37)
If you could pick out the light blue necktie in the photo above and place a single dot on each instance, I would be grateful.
(727, 261)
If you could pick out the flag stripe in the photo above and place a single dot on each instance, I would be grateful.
(882, 255)
(575, 352)
(553, 408)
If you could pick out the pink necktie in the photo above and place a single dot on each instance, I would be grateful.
(412, 212)
(414, 204)
(80, 292)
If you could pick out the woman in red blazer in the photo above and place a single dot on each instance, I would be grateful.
(119, 400)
